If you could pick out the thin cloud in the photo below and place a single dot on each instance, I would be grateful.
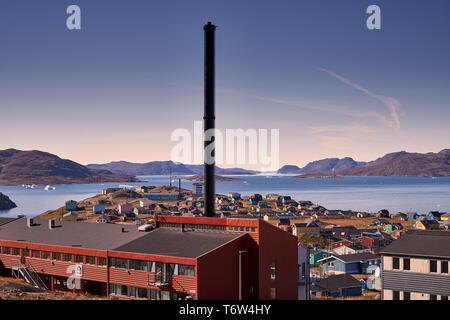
(392, 103)
(315, 105)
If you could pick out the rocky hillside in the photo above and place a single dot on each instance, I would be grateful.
(288, 169)
(6, 203)
(36, 167)
(322, 166)
(406, 164)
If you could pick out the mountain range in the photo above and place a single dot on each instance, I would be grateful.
(392, 164)
(322, 166)
(163, 168)
(36, 167)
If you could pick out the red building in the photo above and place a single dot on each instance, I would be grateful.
(183, 257)
(341, 243)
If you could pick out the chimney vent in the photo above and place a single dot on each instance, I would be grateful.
(29, 222)
(51, 224)
(209, 119)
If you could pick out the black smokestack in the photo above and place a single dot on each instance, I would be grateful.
(209, 120)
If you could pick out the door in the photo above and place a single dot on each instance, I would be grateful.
(161, 272)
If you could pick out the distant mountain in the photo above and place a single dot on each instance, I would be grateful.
(287, 169)
(6, 203)
(322, 166)
(405, 164)
(330, 164)
(163, 168)
(200, 177)
(144, 169)
(36, 167)
(198, 168)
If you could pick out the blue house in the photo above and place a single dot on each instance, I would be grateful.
(286, 199)
(349, 263)
(413, 215)
(262, 204)
(434, 215)
(342, 285)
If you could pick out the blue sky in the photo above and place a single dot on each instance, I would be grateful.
(116, 89)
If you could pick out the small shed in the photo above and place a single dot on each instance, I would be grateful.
(98, 208)
(71, 205)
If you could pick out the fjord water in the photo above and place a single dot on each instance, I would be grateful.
(357, 193)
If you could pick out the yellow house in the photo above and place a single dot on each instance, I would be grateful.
(426, 225)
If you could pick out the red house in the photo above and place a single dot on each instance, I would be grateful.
(338, 244)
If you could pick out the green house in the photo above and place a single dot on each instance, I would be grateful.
(393, 227)
(316, 257)
(71, 205)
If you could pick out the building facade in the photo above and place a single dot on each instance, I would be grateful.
(182, 258)
(415, 267)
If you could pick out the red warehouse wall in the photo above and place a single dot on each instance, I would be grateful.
(218, 271)
(277, 246)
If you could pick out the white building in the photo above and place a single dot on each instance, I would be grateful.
(303, 272)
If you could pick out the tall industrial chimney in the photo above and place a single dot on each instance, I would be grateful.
(209, 120)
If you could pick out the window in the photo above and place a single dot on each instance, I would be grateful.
(406, 295)
(6, 250)
(444, 297)
(67, 257)
(123, 290)
(118, 263)
(45, 255)
(77, 258)
(142, 293)
(273, 271)
(303, 270)
(35, 253)
(444, 266)
(396, 295)
(185, 270)
(138, 265)
(273, 293)
(56, 256)
(90, 260)
(395, 263)
(15, 251)
(131, 291)
(433, 297)
(101, 261)
(26, 252)
(331, 264)
(433, 266)
(406, 264)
